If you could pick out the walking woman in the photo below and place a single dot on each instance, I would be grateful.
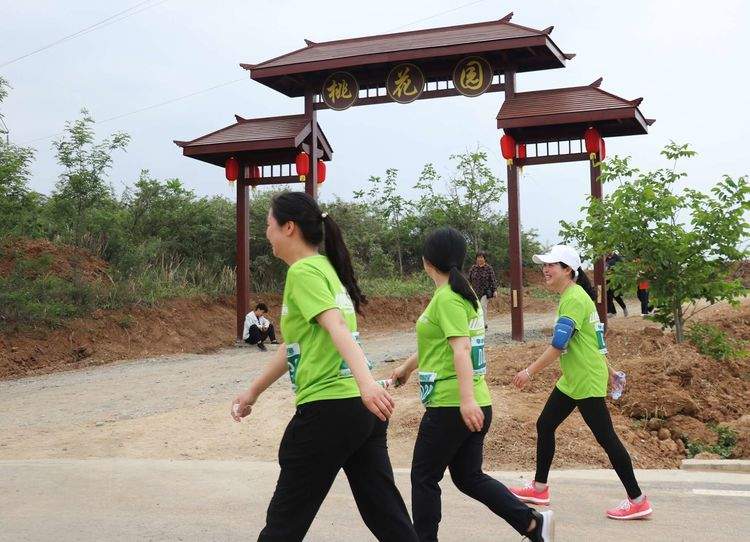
(482, 280)
(450, 358)
(342, 413)
(578, 341)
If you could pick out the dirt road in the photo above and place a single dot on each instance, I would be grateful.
(171, 407)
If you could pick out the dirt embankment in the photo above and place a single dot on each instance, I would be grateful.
(174, 326)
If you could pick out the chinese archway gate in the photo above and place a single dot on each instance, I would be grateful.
(467, 60)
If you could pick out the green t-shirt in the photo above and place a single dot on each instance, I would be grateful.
(584, 367)
(449, 315)
(316, 368)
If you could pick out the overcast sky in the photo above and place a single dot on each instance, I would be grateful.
(687, 59)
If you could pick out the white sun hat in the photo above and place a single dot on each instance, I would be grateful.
(560, 253)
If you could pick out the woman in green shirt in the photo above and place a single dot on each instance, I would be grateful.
(578, 342)
(342, 413)
(450, 358)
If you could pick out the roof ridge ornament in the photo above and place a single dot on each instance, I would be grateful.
(569, 56)
(548, 30)
(239, 119)
(310, 43)
(597, 83)
(636, 102)
(507, 18)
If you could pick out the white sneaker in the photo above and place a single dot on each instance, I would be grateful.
(547, 532)
(548, 526)
(625, 312)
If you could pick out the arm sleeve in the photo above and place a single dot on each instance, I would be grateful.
(452, 319)
(311, 292)
(493, 282)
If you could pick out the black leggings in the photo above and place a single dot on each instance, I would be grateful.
(444, 442)
(594, 411)
(322, 438)
(611, 298)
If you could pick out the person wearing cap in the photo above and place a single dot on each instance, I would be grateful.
(578, 341)
(458, 405)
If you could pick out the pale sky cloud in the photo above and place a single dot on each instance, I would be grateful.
(686, 60)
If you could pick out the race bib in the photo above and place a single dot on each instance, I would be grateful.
(292, 361)
(426, 385)
(599, 328)
(478, 362)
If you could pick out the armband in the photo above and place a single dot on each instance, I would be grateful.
(564, 330)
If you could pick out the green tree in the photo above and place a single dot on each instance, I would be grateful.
(19, 206)
(166, 220)
(393, 207)
(82, 189)
(473, 191)
(683, 243)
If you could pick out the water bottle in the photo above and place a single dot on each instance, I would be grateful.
(387, 383)
(619, 385)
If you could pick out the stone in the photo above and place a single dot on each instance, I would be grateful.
(669, 445)
(654, 424)
(664, 434)
(707, 455)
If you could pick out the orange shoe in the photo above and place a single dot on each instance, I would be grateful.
(529, 493)
(631, 510)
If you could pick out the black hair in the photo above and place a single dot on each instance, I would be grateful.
(445, 249)
(582, 279)
(481, 253)
(317, 228)
(261, 306)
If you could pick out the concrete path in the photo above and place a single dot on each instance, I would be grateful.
(126, 500)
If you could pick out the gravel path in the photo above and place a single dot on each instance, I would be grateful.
(124, 409)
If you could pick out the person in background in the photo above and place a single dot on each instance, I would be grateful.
(482, 280)
(258, 328)
(611, 260)
(643, 287)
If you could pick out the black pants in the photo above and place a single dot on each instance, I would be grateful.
(594, 411)
(643, 298)
(443, 442)
(322, 438)
(256, 335)
(611, 298)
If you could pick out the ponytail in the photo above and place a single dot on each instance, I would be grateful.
(341, 260)
(304, 211)
(445, 249)
(461, 286)
(582, 279)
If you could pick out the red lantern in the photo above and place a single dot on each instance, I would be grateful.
(232, 169)
(508, 148)
(602, 150)
(592, 139)
(303, 165)
(522, 151)
(321, 171)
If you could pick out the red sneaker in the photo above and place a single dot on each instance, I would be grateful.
(631, 510)
(529, 493)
